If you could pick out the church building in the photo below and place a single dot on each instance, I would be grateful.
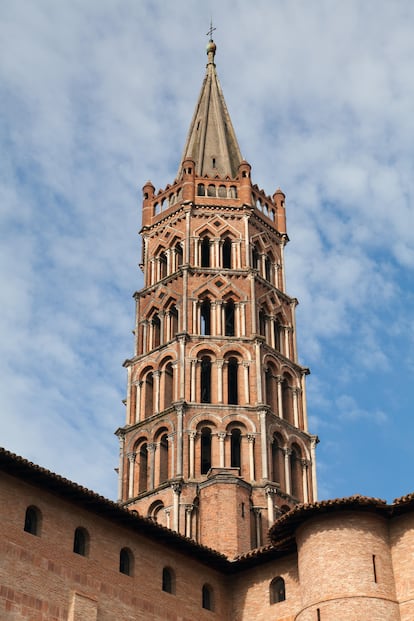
(217, 515)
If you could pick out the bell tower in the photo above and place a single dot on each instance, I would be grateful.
(216, 443)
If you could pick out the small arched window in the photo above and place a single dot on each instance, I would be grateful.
(227, 253)
(232, 381)
(174, 320)
(255, 258)
(229, 318)
(268, 269)
(222, 191)
(205, 450)
(81, 542)
(207, 597)
(32, 521)
(126, 562)
(205, 380)
(205, 315)
(168, 580)
(143, 468)
(163, 265)
(235, 448)
(156, 331)
(201, 190)
(179, 254)
(205, 252)
(211, 190)
(163, 449)
(277, 590)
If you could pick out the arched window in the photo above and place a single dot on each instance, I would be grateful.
(205, 380)
(168, 385)
(262, 323)
(222, 191)
(179, 254)
(205, 450)
(143, 468)
(163, 448)
(233, 191)
(227, 253)
(81, 541)
(268, 269)
(156, 331)
(277, 590)
(149, 394)
(201, 190)
(207, 597)
(168, 580)
(276, 329)
(235, 446)
(32, 520)
(229, 318)
(278, 470)
(286, 400)
(232, 381)
(174, 320)
(296, 472)
(126, 562)
(211, 190)
(205, 252)
(205, 312)
(255, 258)
(163, 265)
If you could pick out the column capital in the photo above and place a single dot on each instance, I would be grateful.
(151, 447)
(177, 487)
(131, 457)
(193, 434)
(221, 435)
(250, 438)
(287, 451)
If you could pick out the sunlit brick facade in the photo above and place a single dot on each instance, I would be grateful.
(216, 430)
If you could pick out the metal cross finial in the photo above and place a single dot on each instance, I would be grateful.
(210, 30)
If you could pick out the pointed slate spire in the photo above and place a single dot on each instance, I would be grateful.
(211, 141)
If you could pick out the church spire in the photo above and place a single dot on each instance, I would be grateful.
(211, 140)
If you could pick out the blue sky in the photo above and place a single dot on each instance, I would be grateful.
(96, 98)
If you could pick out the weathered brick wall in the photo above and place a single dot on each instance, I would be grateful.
(41, 579)
(336, 568)
(402, 547)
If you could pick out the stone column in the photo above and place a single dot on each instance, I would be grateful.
(257, 516)
(286, 347)
(305, 480)
(295, 392)
(304, 404)
(250, 440)
(188, 512)
(258, 373)
(193, 435)
(176, 506)
(179, 470)
(145, 337)
(193, 363)
(156, 375)
(168, 517)
(151, 451)
(263, 442)
(288, 453)
(171, 455)
(167, 322)
(213, 319)
(279, 396)
(182, 367)
(242, 319)
(220, 364)
(246, 382)
(270, 505)
(138, 389)
(196, 328)
(221, 436)
(175, 368)
(314, 442)
(219, 318)
(121, 438)
(131, 459)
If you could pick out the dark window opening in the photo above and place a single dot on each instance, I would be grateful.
(214, 162)
(227, 253)
(229, 318)
(179, 254)
(205, 380)
(163, 458)
(168, 582)
(156, 334)
(374, 567)
(277, 590)
(201, 190)
(236, 449)
(143, 468)
(125, 562)
(262, 323)
(268, 269)
(232, 381)
(174, 320)
(318, 614)
(205, 252)
(80, 542)
(163, 265)
(255, 258)
(207, 597)
(211, 190)
(32, 521)
(205, 450)
(205, 317)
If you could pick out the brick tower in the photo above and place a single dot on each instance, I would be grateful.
(216, 443)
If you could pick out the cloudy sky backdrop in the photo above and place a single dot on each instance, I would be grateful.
(96, 97)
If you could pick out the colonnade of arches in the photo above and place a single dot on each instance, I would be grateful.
(283, 394)
(217, 190)
(212, 251)
(152, 461)
(160, 327)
